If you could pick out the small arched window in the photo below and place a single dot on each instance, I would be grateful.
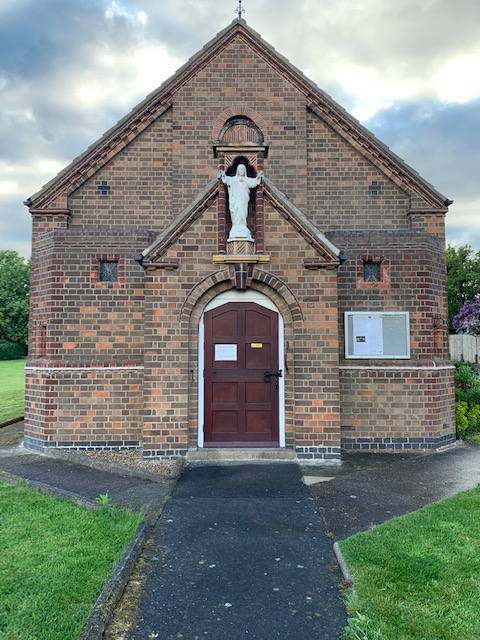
(241, 130)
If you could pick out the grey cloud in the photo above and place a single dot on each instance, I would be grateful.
(15, 226)
(458, 235)
(44, 54)
(398, 40)
(408, 32)
(441, 141)
(38, 36)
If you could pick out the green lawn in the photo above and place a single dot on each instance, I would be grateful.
(55, 559)
(418, 577)
(12, 389)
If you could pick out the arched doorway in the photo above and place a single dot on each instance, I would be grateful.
(241, 338)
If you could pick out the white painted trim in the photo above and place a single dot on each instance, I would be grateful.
(201, 381)
(399, 368)
(238, 296)
(83, 368)
(232, 295)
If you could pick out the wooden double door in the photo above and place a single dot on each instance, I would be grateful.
(241, 376)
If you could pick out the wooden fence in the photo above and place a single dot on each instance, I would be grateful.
(466, 348)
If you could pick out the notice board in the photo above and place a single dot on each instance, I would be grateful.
(377, 334)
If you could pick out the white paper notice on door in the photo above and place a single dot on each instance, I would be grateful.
(368, 336)
(225, 352)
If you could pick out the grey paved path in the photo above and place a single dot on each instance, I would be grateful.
(241, 553)
(85, 482)
(371, 488)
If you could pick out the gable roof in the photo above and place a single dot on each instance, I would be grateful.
(160, 100)
(329, 254)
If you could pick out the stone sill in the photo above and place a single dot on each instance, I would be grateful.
(237, 259)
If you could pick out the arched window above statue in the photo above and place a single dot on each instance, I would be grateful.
(241, 130)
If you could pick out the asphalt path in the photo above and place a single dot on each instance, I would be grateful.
(240, 552)
(370, 488)
(78, 480)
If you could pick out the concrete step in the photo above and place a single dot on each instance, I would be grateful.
(239, 455)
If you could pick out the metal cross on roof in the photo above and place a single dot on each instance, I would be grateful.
(239, 9)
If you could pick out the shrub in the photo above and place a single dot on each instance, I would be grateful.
(467, 319)
(467, 400)
(12, 350)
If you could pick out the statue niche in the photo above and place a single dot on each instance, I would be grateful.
(239, 144)
(240, 180)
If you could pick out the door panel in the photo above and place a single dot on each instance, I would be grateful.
(225, 421)
(241, 408)
(256, 324)
(255, 393)
(258, 358)
(224, 392)
(225, 324)
(257, 421)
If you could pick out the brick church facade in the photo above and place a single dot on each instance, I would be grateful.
(152, 328)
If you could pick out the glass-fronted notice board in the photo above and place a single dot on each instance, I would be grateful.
(377, 334)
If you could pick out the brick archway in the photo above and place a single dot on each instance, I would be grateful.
(196, 302)
(217, 283)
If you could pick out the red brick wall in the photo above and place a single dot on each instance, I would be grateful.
(84, 381)
(89, 321)
(137, 177)
(397, 404)
(151, 319)
(339, 178)
(84, 409)
(315, 341)
(399, 409)
(414, 281)
(238, 77)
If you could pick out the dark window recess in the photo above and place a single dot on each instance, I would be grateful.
(108, 271)
(103, 188)
(375, 188)
(371, 272)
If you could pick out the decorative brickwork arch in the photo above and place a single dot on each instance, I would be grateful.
(241, 130)
(217, 283)
(197, 300)
(205, 291)
(236, 111)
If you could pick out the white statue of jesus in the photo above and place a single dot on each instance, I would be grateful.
(239, 187)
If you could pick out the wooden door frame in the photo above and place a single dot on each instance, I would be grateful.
(238, 296)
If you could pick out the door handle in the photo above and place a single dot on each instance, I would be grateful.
(272, 374)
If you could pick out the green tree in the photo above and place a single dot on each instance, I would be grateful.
(14, 297)
(463, 278)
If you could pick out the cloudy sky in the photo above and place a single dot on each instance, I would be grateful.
(409, 70)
